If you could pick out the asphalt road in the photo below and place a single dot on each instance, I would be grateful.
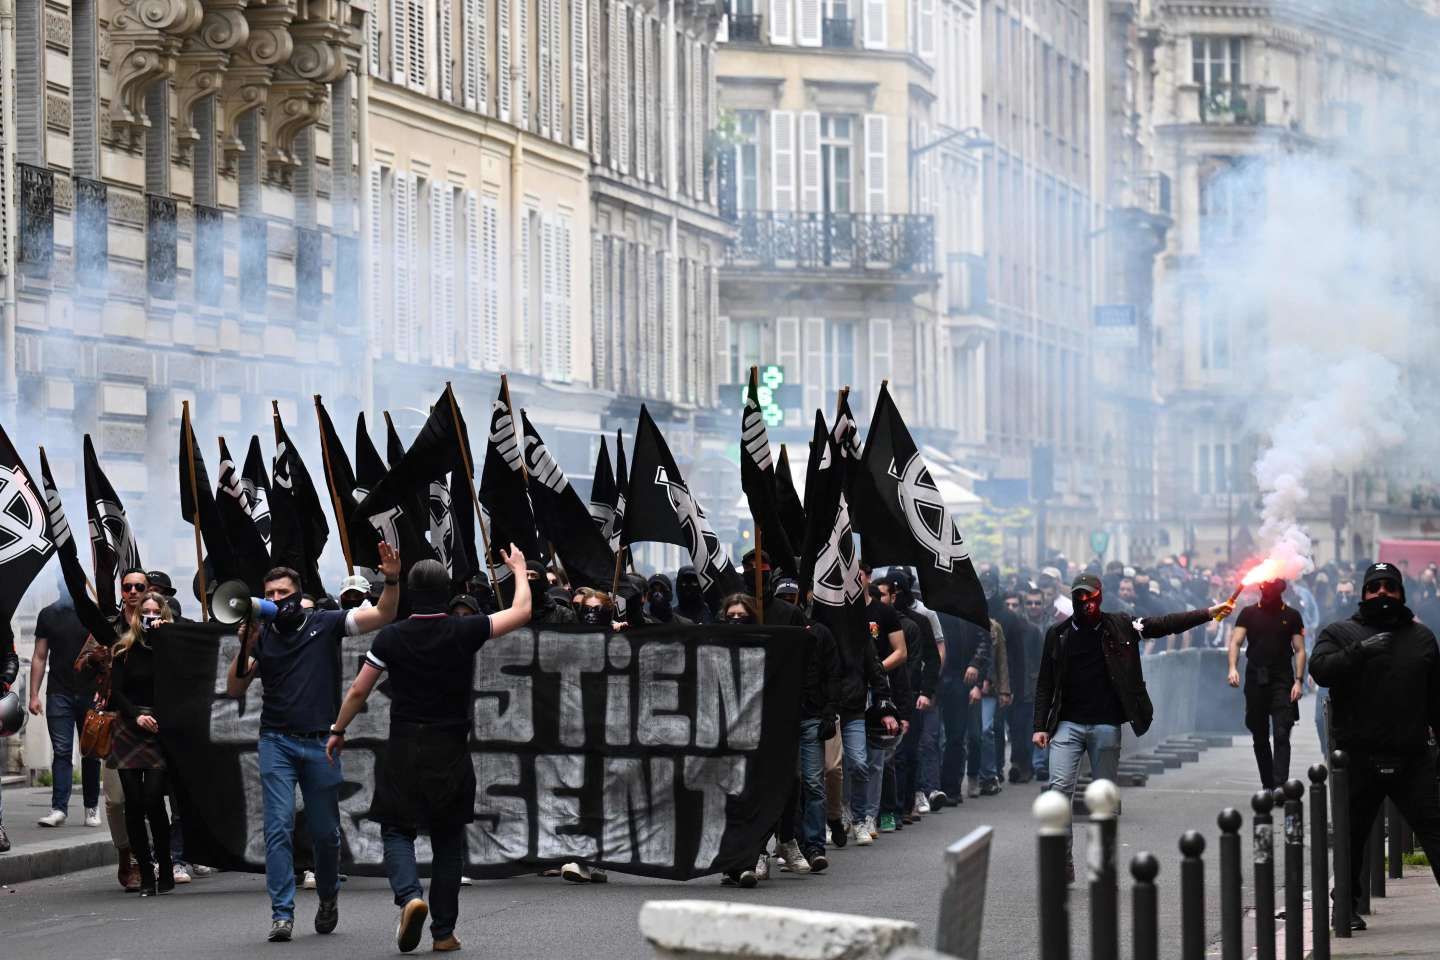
(87, 917)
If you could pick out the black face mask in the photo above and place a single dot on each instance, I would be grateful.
(689, 594)
(1382, 610)
(1087, 611)
(659, 605)
(594, 616)
(537, 597)
(1271, 599)
(289, 613)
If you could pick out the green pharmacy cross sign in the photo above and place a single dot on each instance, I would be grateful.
(772, 378)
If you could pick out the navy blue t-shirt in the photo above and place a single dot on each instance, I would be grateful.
(300, 673)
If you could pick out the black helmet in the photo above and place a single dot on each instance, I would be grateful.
(429, 575)
(12, 714)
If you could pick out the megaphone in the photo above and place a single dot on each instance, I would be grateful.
(233, 604)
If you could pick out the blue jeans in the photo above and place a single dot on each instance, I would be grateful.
(285, 761)
(980, 757)
(1101, 741)
(927, 774)
(876, 759)
(1322, 696)
(64, 714)
(445, 868)
(857, 767)
(812, 776)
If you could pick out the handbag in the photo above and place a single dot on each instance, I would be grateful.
(97, 732)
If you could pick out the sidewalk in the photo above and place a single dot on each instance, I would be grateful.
(1404, 923)
(37, 851)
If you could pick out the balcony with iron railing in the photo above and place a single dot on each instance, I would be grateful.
(859, 243)
(838, 32)
(1236, 104)
(745, 27)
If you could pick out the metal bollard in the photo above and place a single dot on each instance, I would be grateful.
(1232, 935)
(1052, 809)
(1264, 847)
(1344, 902)
(1103, 799)
(1145, 906)
(1319, 865)
(1393, 840)
(1375, 851)
(1294, 870)
(1192, 896)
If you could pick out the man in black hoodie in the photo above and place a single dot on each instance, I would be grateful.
(1383, 673)
(658, 602)
(544, 609)
(690, 596)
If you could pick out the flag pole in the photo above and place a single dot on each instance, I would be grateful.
(474, 495)
(759, 547)
(334, 494)
(189, 432)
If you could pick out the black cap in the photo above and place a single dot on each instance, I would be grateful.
(463, 600)
(160, 580)
(787, 585)
(1087, 582)
(1383, 571)
(536, 567)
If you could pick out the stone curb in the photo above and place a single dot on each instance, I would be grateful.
(37, 861)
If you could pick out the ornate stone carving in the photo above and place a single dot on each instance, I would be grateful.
(64, 192)
(57, 112)
(252, 67)
(57, 30)
(146, 37)
(126, 206)
(301, 91)
(203, 59)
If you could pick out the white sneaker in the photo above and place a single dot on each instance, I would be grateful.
(575, 873)
(308, 883)
(466, 881)
(762, 867)
(92, 816)
(860, 834)
(792, 860)
(53, 819)
(180, 874)
(922, 803)
(200, 870)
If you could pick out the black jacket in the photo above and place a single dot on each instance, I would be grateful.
(922, 655)
(1382, 702)
(860, 677)
(966, 645)
(1121, 643)
(823, 667)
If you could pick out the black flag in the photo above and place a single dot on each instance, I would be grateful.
(622, 486)
(503, 496)
(256, 485)
(401, 523)
(25, 541)
(74, 574)
(563, 518)
(462, 513)
(298, 530)
(111, 539)
(364, 550)
(251, 557)
(603, 493)
(200, 502)
(757, 479)
(660, 508)
(792, 513)
(369, 468)
(905, 520)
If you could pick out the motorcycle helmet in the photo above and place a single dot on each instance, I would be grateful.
(12, 714)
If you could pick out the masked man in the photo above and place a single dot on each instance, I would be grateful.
(1274, 664)
(296, 656)
(1091, 682)
(1383, 673)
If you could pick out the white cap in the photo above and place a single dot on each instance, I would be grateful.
(1050, 572)
(356, 583)
(1129, 571)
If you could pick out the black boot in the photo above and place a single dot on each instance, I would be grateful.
(147, 878)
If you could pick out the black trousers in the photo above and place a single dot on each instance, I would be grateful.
(1267, 707)
(1020, 723)
(145, 802)
(906, 765)
(1410, 782)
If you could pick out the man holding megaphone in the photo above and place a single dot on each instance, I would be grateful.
(296, 656)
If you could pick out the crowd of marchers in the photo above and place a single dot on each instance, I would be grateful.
(926, 711)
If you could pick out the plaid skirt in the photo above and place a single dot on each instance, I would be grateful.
(134, 749)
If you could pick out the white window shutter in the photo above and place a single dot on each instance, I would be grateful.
(782, 158)
(400, 288)
(654, 166)
(372, 40)
(504, 86)
(563, 279)
(446, 59)
(697, 125)
(876, 170)
(547, 298)
(599, 324)
(436, 309)
(925, 30)
(879, 351)
(477, 40)
(692, 332)
(780, 32)
(377, 252)
(807, 23)
(523, 315)
(644, 105)
(521, 51)
(490, 239)
(399, 44)
(542, 72)
(875, 15)
(579, 74)
(810, 161)
(474, 284)
(624, 90)
(418, 47)
(655, 360)
(595, 54)
(787, 352)
(557, 70)
(814, 372)
(722, 373)
(412, 300)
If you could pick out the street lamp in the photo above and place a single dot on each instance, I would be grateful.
(970, 138)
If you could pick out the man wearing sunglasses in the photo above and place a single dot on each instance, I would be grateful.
(1091, 682)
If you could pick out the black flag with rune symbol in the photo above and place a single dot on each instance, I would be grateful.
(906, 521)
(603, 492)
(298, 530)
(256, 485)
(25, 538)
(563, 518)
(65, 547)
(251, 557)
(757, 479)
(111, 539)
(198, 503)
(661, 509)
(503, 493)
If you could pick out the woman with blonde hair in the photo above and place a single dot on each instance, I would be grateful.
(136, 752)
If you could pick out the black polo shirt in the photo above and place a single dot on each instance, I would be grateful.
(1267, 640)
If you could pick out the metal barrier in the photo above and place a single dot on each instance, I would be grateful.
(1264, 857)
(1103, 800)
(1319, 865)
(1294, 870)
(1232, 934)
(1192, 896)
(1344, 899)
(962, 903)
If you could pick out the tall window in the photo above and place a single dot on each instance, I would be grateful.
(1216, 62)
(837, 151)
(1214, 340)
(30, 81)
(84, 91)
(747, 160)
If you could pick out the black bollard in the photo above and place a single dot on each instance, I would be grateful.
(1264, 856)
(1344, 902)
(1376, 853)
(1394, 838)
(1232, 935)
(1145, 906)
(1103, 800)
(1053, 811)
(1319, 865)
(1192, 897)
(1294, 870)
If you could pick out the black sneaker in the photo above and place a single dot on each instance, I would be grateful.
(281, 931)
(327, 915)
(989, 788)
(838, 834)
(818, 860)
(412, 925)
(1357, 923)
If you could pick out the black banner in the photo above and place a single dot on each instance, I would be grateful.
(665, 752)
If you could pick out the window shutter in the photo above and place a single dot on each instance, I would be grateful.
(476, 87)
(372, 41)
(547, 298)
(399, 30)
(782, 158)
(599, 326)
(543, 76)
(503, 86)
(692, 331)
(814, 372)
(557, 70)
(655, 360)
(377, 252)
(442, 275)
(616, 309)
(621, 80)
(579, 75)
(563, 280)
(780, 22)
(490, 238)
(595, 53)
(521, 51)
(522, 331)
(925, 30)
(644, 105)
(654, 166)
(875, 24)
(400, 313)
(418, 48)
(722, 372)
(875, 166)
(810, 161)
(880, 351)
(697, 125)
(446, 59)
(412, 299)
(807, 23)
(787, 349)
(474, 284)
